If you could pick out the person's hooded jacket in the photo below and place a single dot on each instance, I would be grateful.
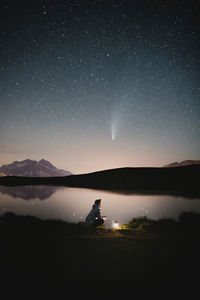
(93, 214)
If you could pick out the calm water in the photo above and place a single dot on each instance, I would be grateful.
(73, 204)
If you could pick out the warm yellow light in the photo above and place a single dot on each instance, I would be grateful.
(115, 225)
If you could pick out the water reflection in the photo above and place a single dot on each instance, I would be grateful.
(73, 204)
(29, 192)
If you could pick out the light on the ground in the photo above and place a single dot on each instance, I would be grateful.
(115, 225)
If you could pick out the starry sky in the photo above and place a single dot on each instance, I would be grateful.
(92, 85)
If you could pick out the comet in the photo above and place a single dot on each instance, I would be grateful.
(113, 136)
(117, 120)
(114, 130)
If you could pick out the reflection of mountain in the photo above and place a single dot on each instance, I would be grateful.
(29, 192)
(32, 168)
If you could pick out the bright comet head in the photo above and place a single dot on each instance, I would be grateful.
(113, 136)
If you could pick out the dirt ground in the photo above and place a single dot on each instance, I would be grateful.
(56, 258)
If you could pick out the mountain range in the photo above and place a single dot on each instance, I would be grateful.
(43, 168)
(179, 181)
(32, 168)
(182, 163)
(178, 178)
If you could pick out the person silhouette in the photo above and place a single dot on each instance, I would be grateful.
(94, 217)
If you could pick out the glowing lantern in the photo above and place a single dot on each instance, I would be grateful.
(115, 225)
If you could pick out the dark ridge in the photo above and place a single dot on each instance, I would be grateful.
(176, 181)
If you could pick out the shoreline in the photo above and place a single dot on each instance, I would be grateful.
(56, 255)
(178, 181)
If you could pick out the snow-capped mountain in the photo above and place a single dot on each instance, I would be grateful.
(32, 168)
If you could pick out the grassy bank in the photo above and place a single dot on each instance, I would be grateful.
(55, 255)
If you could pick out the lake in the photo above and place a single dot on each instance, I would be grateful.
(73, 204)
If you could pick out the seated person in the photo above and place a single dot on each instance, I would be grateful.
(94, 217)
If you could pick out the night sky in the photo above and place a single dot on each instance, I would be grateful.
(92, 85)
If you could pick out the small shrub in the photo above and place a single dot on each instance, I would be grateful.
(140, 224)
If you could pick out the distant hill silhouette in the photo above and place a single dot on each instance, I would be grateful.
(182, 163)
(176, 181)
(32, 168)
